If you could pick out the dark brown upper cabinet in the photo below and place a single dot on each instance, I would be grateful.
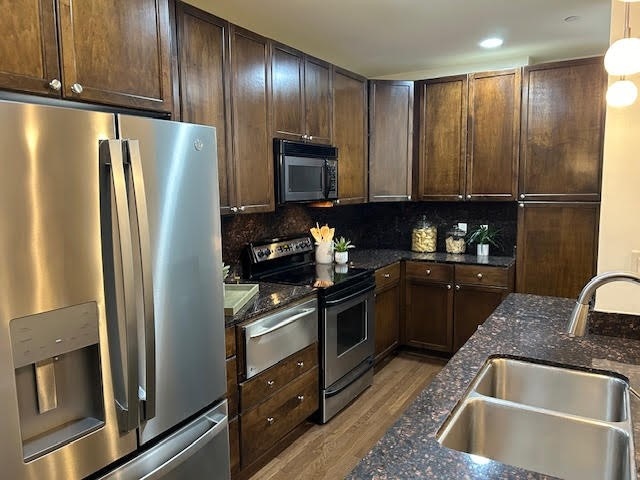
(29, 47)
(252, 159)
(563, 109)
(390, 140)
(350, 135)
(116, 52)
(204, 74)
(468, 136)
(301, 93)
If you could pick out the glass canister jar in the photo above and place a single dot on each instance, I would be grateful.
(455, 241)
(424, 236)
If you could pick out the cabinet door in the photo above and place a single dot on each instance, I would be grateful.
(472, 306)
(387, 321)
(442, 138)
(557, 245)
(428, 319)
(350, 135)
(204, 83)
(117, 52)
(250, 113)
(390, 147)
(493, 135)
(287, 71)
(317, 100)
(563, 110)
(29, 46)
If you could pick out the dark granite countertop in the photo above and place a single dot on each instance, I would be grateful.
(270, 296)
(377, 258)
(524, 325)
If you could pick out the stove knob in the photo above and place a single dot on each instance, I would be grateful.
(260, 254)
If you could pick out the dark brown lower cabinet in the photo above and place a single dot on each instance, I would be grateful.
(557, 247)
(234, 445)
(428, 321)
(388, 308)
(472, 306)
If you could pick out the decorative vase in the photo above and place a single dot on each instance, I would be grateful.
(483, 249)
(342, 257)
(324, 252)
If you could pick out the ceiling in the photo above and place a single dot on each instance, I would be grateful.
(413, 39)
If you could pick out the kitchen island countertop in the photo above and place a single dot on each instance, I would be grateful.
(524, 325)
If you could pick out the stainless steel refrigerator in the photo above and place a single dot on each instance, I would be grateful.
(112, 345)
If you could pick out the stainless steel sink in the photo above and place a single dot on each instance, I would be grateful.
(576, 392)
(557, 421)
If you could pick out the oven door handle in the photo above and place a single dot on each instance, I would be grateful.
(331, 303)
(284, 323)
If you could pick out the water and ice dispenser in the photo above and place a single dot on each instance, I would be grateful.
(56, 357)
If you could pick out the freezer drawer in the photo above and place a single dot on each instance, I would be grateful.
(199, 450)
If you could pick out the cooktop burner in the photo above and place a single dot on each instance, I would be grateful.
(317, 275)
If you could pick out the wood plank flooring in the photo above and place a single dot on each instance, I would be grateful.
(331, 451)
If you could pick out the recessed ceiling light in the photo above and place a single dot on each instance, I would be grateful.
(491, 42)
(571, 18)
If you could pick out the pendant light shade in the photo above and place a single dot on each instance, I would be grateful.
(622, 93)
(623, 57)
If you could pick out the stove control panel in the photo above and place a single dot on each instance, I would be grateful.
(279, 249)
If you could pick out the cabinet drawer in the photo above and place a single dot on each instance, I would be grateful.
(387, 276)
(230, 341)
(477, 275)
(430, 271)
(262, 386)
(232, 386)
(263, 426)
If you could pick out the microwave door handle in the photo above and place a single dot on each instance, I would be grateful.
(326, 187)
(140, 225)
(126, 327)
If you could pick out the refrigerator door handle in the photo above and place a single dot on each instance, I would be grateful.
(140, 225)
(220, 423)
(126, 371)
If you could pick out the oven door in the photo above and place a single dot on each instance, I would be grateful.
(348, 322)
(302, 179)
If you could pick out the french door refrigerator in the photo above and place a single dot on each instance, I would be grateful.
(112, 344)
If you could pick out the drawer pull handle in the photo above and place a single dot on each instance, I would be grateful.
(387, 275)
(270, 420)
(448, 287)
(479, 276)
(270, 383)
(300, 364)
(301, 398)
(457, 287)
(428, 271)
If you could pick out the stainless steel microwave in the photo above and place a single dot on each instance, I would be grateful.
(305, 172)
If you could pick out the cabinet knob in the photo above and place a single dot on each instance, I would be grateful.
(270, 383)
(300, 364)
(301, 398)
(428, 271)
(448, 287)
(387, 275)
(460, 197)
(469, 197)
(310, 137)
(77, 88)
(234, 209)
(337, 202)
(270, 420)
(523, 196)
(479, 276)
(457, 287)
(55, 85)
(408, 197)
(242, 208)
(521, 205)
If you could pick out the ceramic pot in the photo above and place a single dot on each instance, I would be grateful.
(483, 249)
(342, 257)
(324, 252)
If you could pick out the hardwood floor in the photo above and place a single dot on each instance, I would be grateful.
(331, 451)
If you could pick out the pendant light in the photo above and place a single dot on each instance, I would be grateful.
(622, 93)
(623, 56)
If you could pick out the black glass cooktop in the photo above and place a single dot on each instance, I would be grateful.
(318, 275)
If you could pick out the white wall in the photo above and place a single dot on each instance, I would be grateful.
(620, 211)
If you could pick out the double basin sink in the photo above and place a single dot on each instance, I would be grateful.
(558, 421)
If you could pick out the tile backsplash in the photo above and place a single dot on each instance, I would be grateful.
(371, 225)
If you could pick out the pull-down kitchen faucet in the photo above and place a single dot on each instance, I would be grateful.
(578, 322)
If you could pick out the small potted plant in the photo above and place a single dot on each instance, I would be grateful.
(483, 236)
(341, 247)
